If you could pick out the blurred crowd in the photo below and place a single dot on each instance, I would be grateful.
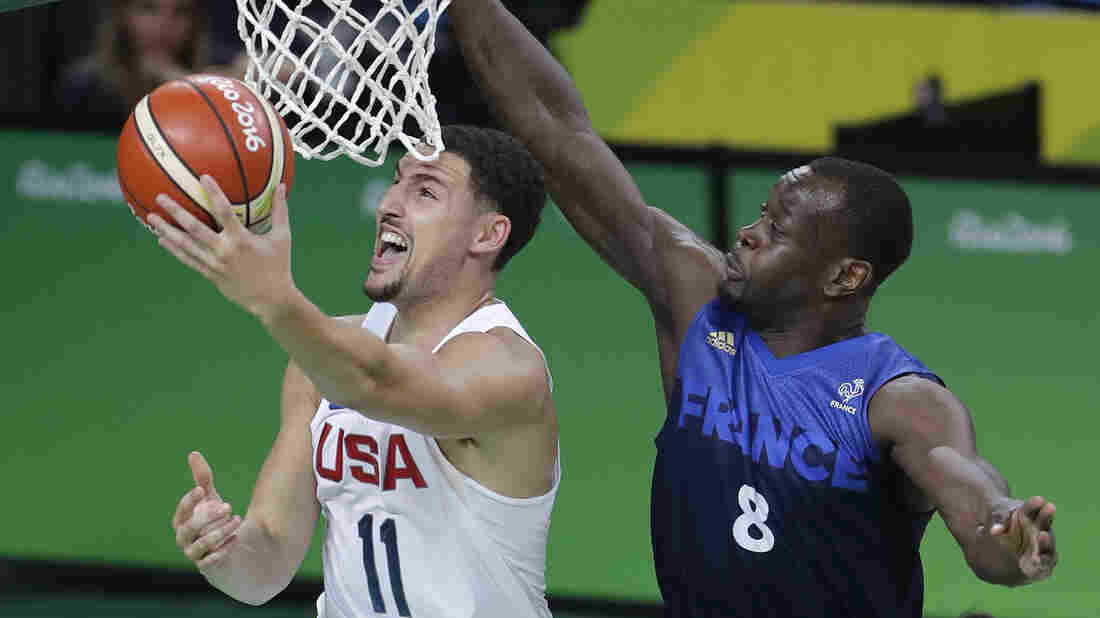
(116, 51)
(86, 64)
(138, 45)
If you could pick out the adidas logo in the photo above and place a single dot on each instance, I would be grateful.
(722, 340)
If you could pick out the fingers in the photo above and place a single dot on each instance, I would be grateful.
(1037, 551)
(213, 540)
(1036, 511)
(999, 523)
(201, 472)
(192, 244)
(1040, 565)
(1046, 543)
(186, 506)
(194, 263)
(1044, 540)
(280, 210)
(219, 206)
(1045, 517)
(198, 230)
(216, 557)
(1032, 507)
(1014, 513)
(206, 516)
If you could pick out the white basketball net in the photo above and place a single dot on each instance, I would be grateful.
(348, 76)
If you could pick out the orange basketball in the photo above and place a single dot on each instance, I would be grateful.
(205, 124)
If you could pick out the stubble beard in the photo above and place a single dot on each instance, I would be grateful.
(740, 297)
(388, 292)
(433, 279)
(732, 295)
(763, 309)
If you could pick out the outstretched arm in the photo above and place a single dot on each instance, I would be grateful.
(443, 395)
(931, 437)
(535, 97)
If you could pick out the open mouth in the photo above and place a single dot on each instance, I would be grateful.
(390, 248)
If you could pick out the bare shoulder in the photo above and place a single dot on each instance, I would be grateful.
(912, 388)
(527, 357)
(502, 372)
(913, 404)
(501, 350)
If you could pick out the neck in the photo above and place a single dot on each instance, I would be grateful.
(426, 321)
(815, 327)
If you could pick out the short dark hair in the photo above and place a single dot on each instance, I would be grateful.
(506, 176)
(880, 219)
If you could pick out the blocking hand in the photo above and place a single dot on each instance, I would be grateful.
(1027, 530)
(204, 523)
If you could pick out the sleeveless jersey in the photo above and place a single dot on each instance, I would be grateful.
(770, 497)
(407, 533)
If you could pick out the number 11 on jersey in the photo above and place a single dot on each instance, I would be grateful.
(387, 533)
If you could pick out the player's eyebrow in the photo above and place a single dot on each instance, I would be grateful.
(427, 177)
(431, 174)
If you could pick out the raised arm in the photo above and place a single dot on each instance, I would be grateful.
(930, 435)
(479, 384)
(535, 97)
(254, 559)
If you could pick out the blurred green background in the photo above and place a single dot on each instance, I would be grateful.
(120, 361)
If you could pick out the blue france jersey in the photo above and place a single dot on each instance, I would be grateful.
(770, 497)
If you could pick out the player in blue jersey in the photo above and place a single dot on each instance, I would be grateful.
(802, 456)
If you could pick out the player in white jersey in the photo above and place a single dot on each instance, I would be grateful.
(385, 491)
(433, 453)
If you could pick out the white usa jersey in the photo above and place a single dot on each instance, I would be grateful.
(407, 533)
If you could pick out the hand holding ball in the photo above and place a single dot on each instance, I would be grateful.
(205, 124)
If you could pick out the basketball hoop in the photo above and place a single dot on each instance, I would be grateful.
(346, 81)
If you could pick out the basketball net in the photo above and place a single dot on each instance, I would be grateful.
(346, 82)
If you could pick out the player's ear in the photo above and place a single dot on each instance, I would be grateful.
(848, 276)
(491, 233)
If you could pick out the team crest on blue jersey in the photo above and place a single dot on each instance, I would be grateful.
(722, 340)
(851, 390)
(848, 391)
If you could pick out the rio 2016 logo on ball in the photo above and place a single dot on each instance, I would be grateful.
(205, 124)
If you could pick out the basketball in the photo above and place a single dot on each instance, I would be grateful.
(204, 124)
